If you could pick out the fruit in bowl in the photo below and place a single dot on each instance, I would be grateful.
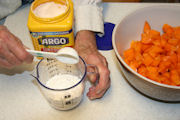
(156, 83)
(156, 56)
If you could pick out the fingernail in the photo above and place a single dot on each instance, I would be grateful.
(91, 98)
(92, 88)
(87, 94)
(99, 91)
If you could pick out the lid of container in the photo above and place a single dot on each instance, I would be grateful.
(105, 42)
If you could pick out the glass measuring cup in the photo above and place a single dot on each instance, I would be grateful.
(67, 97)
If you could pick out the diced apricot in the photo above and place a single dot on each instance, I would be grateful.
(145, 38)
(173, 41)
(177, 32)
(144, 47)
(154, 34)
(156, 56)
(175, 77)
(142, 70)
(155, 50)
(138, 46)
(129, 54)
(156, 61)
(134, 65)
(152, 73)
(147, 27)
(168, 29)
(147, 59)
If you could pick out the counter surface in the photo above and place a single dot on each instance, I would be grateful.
(20, 98)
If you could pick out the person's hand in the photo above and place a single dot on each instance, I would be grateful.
(85, 44)
(12, 51)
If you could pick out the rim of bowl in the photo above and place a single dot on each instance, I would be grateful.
(121, 59)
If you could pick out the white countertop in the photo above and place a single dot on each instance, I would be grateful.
(20, 99)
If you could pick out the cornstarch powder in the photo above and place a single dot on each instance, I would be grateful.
(49, 10)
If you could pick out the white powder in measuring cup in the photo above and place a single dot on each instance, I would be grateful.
(67, 99)
(49, 10)
(62, 81)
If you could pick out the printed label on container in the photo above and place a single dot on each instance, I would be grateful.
(52, 41)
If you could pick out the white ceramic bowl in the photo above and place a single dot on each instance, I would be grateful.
(130, 28)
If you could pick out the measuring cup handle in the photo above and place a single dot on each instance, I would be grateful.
(35, 72)
(92, 70)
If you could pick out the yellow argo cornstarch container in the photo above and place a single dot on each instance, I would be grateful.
(51, 34)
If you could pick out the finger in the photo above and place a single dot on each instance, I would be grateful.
(96, 96)
(15, 45)
(92, 94)
(100, 63)
(100, 89)
(103, 84)
(104, 61)
(4, 63)
(18, 49)
(93, 74)
(93, 78)
(103, 78)
(8, 55)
